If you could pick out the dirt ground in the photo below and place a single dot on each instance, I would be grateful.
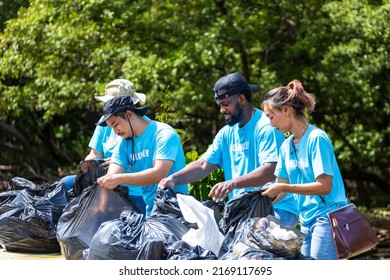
(6, 255)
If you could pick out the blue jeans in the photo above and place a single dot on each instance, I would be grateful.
(139, 200)
(68, 181)
(319, 242)
(286, 218)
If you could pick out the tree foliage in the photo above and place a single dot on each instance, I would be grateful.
(57, 54)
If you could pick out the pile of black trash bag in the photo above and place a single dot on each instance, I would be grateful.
(133, 236)
(160, 236)
(83, 216)
(93, 223)
(29, 215)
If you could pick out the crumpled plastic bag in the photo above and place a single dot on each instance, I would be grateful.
(128, 237)
(134, 236)
(243, 206)
(157, 249)
(83, 216)
(237, 211)
(88, 172)
(28, 222)
(208, 235)
(269, 234)
(181, 250)
(166, 203)
(15, 185)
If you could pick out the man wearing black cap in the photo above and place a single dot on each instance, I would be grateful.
(148, 152)
(104, 139)
(246, 148)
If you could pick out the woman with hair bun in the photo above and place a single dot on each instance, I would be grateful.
(306, 167)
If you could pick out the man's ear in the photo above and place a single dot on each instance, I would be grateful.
(129, 113)
(242, 99)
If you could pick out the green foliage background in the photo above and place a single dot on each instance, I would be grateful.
(57, 54)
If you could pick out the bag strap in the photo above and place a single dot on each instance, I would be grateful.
(346, 195)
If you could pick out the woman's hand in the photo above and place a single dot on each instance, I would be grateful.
(273, 189)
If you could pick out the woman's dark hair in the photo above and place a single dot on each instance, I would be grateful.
(293, 95)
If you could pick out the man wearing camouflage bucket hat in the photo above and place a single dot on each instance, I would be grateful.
(122, 87)
(104, 139)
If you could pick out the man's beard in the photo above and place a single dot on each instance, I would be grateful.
(236, 117)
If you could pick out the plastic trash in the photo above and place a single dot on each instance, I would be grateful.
(126, 237)
(83, 216)
(28, 222)
(273, 237)
(88, 172)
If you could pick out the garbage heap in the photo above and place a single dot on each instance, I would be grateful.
(93, 223)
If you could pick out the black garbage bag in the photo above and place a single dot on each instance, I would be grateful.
(124, 238)
(20, 183)
(28, 223)
(269, 234)
(181, 250)
(15, 185)
(165, 203)
(117, 239)
(246, 205)
(237, 211)
(218, 208)
(83, 216)
(153, 249)
(6, 196)
(88, 172)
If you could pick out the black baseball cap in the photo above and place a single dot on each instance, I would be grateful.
(232, 84)
(120, 104)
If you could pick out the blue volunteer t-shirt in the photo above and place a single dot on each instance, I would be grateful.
(313, 156)
(159, 141)
(240, 150)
